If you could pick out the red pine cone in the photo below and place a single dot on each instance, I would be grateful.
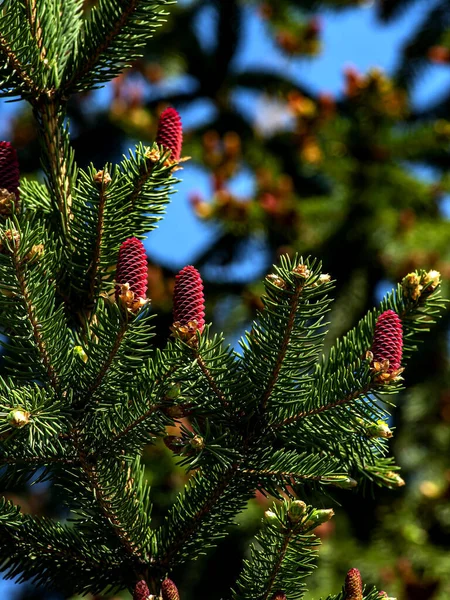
(353, 585)
(141, 591)
(388, 340)
(170, 132)
(132, 267)
(382, 595)
(279, 595)
(188, 299)
(169, 590)
(9, 168)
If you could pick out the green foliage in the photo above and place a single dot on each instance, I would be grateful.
(87, 391)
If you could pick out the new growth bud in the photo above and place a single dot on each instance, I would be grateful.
(170, 133)
(131, 274)
(18, 418)
(318, 517)
(296, 510)
(353, 585)
(380, 429)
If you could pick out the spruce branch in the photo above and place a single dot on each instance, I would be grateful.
(124, 504)
(112, 37)
(199, 515)
(284, 554)
(281, 354)
(21, 272)
(38, 543)
(58, 157)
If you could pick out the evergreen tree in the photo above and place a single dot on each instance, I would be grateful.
(85, 390)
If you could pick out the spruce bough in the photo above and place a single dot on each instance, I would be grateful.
(83, 389)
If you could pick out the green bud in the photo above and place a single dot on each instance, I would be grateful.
(78, 351)
(318, 517)
(346, 484)
(174, 391)
(378, 430)
(197, 442)
(272, 518)
(18, 418)
(393, 479)
(296, 510)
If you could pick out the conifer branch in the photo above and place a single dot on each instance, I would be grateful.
(35, 26)
(32, 91)
(50, 116)
(36, 327)
(284, 345)
(105, 504)
(320, 409)
(185, 533)
(211, 381)
(129, 428)
(278, 563)
(145, 172)
(112, 354)
(115, 28)
(37, 460)
(98, 245)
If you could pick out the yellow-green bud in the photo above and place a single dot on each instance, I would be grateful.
(318, 517)
(174, 391)
(18, 418)
(378, 430)
(394, 480)
(296, 510)
(272, 518)
(346, 484)
(78, 351)
(197, 442)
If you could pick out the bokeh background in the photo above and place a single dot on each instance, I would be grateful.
(313, 127)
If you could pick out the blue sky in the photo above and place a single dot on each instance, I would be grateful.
(350, 37)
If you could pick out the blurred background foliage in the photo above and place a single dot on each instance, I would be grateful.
(359, 179)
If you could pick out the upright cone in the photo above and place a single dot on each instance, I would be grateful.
(170, 133)
(388, 340)
(9, 169)
(353, 585)
(131, 274)
(141, 591)
(169, 590)
(188, 298)
(279, 596)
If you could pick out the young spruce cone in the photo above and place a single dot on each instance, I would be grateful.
(9, 178)
(170, 133)
(169, 590)
(141, 591)
(388, 340)
(188, 299)
(279, 595)
(131, 274)
(353, 585)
